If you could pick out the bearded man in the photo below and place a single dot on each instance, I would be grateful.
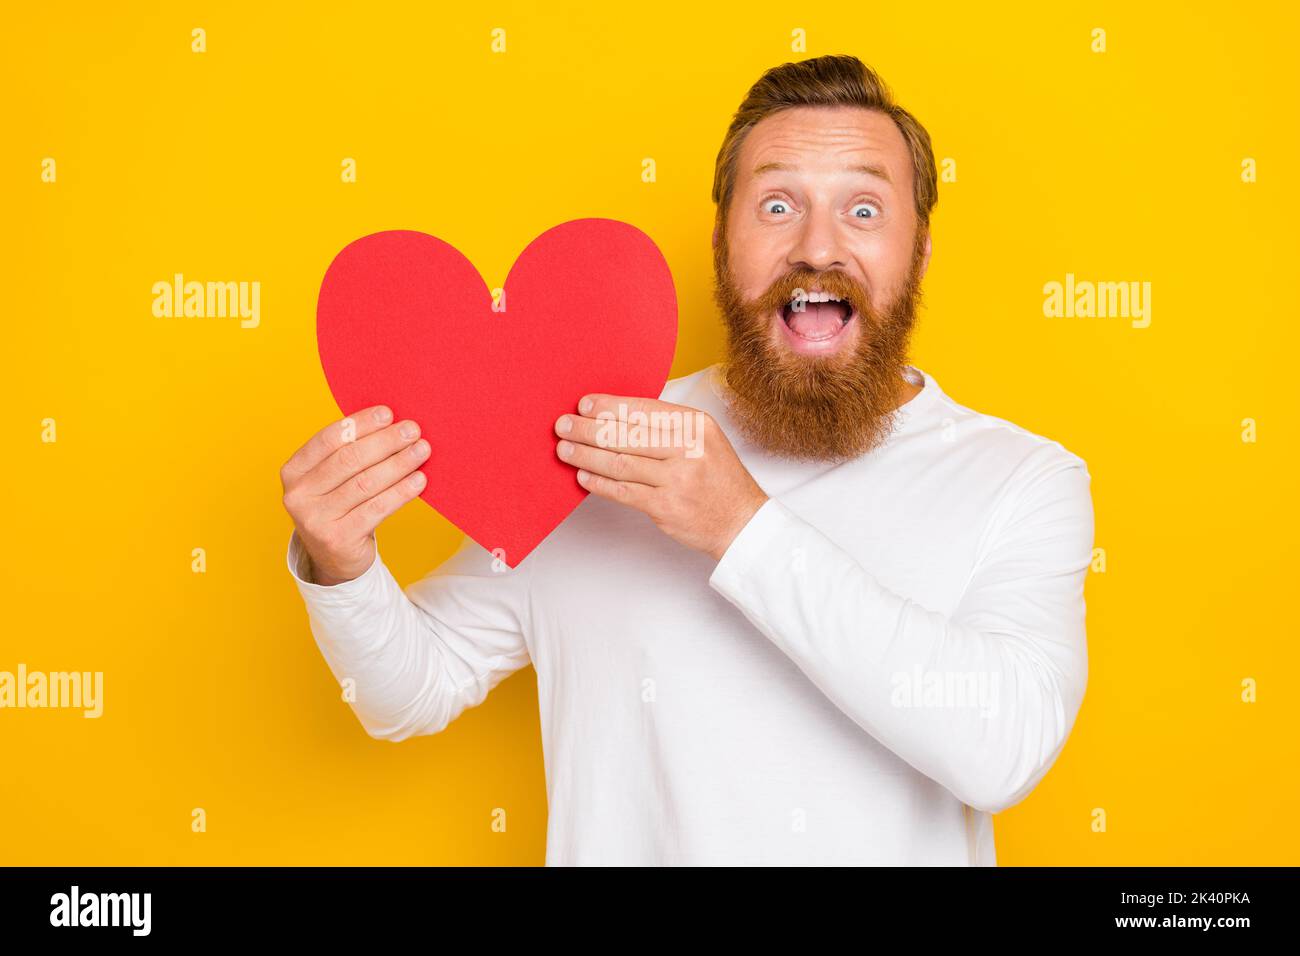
(844, 625)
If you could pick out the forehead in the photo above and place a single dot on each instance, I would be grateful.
(816, 140)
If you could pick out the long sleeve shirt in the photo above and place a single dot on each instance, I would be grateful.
(890, 651)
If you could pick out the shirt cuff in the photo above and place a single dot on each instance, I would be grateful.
(773, 525)
(299, 562)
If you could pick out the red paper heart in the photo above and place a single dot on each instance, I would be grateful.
(405, 320)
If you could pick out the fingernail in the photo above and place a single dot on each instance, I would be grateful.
(418, 479)
(564, 449)
(383, 415)
(420, 449)
(583, 476)
(586, 405)
(564, 425)
(409, 430)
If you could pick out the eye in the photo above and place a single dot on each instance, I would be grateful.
(776, 205)
(866, 210)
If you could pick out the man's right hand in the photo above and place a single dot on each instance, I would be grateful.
(344, 482)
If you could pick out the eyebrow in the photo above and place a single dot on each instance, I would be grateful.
(878, 171)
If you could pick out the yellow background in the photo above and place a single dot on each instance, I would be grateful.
(225, 165)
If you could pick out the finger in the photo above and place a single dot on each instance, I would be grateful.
(655, 440)
(623, 492)
(596, 403)
(645, 426)
(364, 485)
(355, 457)
(619, 465)
(370, 514)
(333, 436)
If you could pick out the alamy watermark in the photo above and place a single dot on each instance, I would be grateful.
(1084, 299)
(82, 690)
(179, 299)
(939, 689)
(75, 908)
(658, 429)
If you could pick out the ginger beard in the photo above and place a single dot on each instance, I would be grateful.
(830, 407)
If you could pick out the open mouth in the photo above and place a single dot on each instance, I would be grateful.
(817, 317)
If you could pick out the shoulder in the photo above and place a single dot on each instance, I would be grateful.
(1037, 492)
(688, 389)
(1000, 442)
(1026, 479)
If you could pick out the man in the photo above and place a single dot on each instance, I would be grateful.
(844, 627)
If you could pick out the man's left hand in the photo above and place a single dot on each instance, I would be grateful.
(672, 462)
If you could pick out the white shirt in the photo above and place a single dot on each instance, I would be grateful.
(890, 651)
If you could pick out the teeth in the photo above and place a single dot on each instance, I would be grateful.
(816, 297)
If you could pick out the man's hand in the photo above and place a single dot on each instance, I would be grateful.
(347, 479)
(669, 461)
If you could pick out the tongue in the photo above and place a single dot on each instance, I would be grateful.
(818, 320)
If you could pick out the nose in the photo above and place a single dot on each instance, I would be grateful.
(818, 245)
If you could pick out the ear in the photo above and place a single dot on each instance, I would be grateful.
(715, 237)
(925, 256)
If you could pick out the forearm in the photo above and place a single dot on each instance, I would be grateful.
(880, 658)
(384, 651)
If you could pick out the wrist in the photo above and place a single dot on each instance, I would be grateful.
(325, 579)
(328, 575)
(744, 515)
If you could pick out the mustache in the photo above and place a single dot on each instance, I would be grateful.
(837, 283)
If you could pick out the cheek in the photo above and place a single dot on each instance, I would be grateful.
(885, 265)
(755, 264)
